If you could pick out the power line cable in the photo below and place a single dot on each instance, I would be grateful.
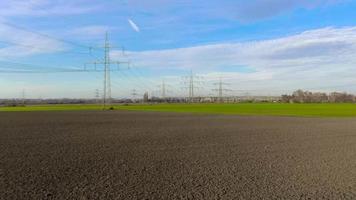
(33, 66)
(45, 35)
(132, 81)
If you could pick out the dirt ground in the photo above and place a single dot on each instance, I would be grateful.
(146, 155)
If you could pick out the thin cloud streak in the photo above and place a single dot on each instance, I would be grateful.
(133, 25)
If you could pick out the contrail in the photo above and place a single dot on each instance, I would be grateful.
(133, 25)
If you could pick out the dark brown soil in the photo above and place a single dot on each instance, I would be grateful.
(136, 155)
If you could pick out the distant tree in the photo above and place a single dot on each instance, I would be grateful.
(287, 99)
(298, 96)
(301, 96)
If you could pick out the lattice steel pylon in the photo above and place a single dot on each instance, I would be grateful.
(220, 89)
(192, 82)
(106, 62)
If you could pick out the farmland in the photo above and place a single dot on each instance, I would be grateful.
(165, 155)
(265, 109)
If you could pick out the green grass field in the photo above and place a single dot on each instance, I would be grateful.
(275, 109)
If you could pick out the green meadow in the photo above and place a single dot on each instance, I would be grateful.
(267, 109)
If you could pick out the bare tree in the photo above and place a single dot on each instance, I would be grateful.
(301, 96)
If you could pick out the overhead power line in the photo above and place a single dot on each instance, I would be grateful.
(45, 35)
(27, 46)
(27, 67)
(42, 71)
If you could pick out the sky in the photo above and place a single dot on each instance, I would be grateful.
(256, 47)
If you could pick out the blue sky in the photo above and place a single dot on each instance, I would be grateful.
(264, 47)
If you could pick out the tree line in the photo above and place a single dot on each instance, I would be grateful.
(301, 96)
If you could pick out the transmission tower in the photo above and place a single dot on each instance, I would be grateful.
(107, 81)
(106, 62)
(134, 94)
(192, 81)
(23, 97)
(220, 89)
(163, 89)
(97, 95)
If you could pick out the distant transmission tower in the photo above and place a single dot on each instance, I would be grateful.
(192, 81)
(220, 89)
(23, 97)
(134, 94)
(163, 89)
(97, 95)
(106, 62)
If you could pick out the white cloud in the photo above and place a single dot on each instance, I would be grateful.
(241, 10)
(308, 48)
(261, 9)
(306, 60)
(46, 7)
(17, 43)
(94, 31)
